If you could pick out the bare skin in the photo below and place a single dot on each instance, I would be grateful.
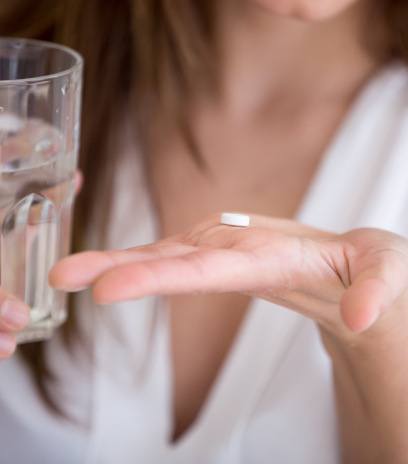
(285, 125)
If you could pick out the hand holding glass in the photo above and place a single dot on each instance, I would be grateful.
(40, 96)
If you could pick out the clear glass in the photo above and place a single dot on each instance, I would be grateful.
(40, 99)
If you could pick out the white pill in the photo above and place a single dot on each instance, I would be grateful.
(235, 219)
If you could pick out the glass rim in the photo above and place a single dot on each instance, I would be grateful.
(78, 61)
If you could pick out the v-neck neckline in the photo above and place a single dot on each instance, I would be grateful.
(259, 346)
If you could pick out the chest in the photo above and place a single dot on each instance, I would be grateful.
(261, 168)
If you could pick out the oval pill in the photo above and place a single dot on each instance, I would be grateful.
(235, 219)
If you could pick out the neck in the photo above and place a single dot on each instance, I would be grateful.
(265, 57)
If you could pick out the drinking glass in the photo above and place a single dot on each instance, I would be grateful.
(40, 99)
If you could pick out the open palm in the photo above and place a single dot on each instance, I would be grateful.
(334, 279)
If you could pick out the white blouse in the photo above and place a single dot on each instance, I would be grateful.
(273, 400)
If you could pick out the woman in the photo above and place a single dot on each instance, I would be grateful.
(280, 342)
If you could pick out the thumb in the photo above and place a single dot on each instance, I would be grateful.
(363, 302)
(373, 291)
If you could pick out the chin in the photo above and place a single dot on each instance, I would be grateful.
(307, 10)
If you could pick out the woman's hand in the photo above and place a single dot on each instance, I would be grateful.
(14, 316)
(344, 282)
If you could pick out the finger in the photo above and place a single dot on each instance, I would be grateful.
(78, 271)
(210, 271)
(78, 181)
(371, 293)
(195, 272)
(7, 344)
(14, 314)
(363, 302)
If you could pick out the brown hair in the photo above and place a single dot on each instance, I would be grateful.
(153, 50)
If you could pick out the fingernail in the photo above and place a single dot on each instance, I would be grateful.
(79, 288)
(72, 289)
(14, 313)
(7, 344)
